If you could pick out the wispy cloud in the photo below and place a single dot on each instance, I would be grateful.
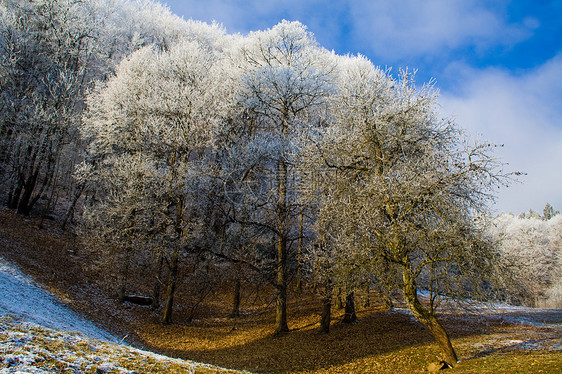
(410, 28)
(388, 31)
(522, 112)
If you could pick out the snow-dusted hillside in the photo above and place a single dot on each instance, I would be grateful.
(23, 299)
(38, 334)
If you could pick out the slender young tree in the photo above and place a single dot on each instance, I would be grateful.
(284, 80)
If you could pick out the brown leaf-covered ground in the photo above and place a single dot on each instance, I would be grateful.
(381, 342)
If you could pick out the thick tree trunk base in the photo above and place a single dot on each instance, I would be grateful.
(167, 311)
(281, 326)
(427, 317)
(326, 311)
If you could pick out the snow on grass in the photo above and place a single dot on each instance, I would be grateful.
(26, 347)
(38, 334)
(19, 296)
(512, 314)
(520, 315)
(538, 329)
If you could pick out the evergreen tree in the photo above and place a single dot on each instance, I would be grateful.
(549, 212)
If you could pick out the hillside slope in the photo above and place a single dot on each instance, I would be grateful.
(38, 334)
(503, 339)
(22, 298)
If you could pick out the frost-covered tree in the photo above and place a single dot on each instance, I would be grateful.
(549, 212)
(401, 189)
(530, 249)
(46, 51)
(51, 52)
(151, 126)
(284, 82)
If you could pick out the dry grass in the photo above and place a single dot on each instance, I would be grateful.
(27, 347)
(382, 341)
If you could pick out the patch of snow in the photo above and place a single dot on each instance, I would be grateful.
(36, 329)
(22, 298)
(512, 314)
(515, 341)
(29, 348)
(406, 312)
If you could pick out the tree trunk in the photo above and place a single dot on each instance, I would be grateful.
(54, 185)
(350, 316)
(47, 180)
(367, 302)
(70, 212)
(386, 296)
(38, 157)
(326, 309)
(386, 285)
(23, 205)
(169, 298)
(236, 300)
(427, 317)
(339, 302)
(299, 255)
(281, 304)
(281, 281)
(21, 180)
(124, 275)
(168, 306)
(157, 281)
(14, 195)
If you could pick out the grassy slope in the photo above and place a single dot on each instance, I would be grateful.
(382, 342)
(27, 347)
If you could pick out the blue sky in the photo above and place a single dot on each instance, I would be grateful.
(497, 64)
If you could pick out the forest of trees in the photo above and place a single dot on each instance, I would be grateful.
(174, 144)
(530, 245)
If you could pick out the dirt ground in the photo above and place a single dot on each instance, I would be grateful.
(382, 340)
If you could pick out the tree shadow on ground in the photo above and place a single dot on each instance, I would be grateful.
(246, 342)
(250, 345)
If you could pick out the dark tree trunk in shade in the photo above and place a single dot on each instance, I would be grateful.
(124, 275)
(281, 280)
(326, 309)
(170, 291)
(157, 281)
(339, 301)
(236, 300)
(299, 254)
(367, 302)
(173, 266)
(350, 316)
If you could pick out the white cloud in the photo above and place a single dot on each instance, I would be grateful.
(523, 112)
(410, 28)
